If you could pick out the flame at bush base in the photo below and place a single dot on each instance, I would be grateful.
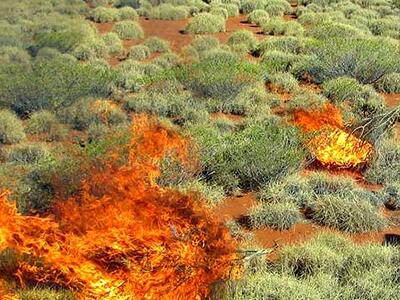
(332, 146)
(124, 237)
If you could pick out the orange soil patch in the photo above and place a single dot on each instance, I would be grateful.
(231, 117)
(104, 28)
(392, 100)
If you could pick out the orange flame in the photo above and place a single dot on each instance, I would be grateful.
(332, 146)
(124, 237)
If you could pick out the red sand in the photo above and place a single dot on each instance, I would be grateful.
(392, 100)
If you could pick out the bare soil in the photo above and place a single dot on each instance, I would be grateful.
(392, 100)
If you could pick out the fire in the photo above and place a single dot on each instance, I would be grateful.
(124, 237)
(332, 146)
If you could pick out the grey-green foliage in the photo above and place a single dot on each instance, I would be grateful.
(128, 13)
(155, 44)
(128, 30)
(139, 52)
(113, 43)
(52, 84)
(246, 156)
(257, 15)
(11, 128)
(26, 153)
(169, 12)
(205, 23)
(389, 83)
(276, 26)
(385, 165)
(245, 38)
(213, 194)
(391, 195)
(219, 11)
(282, 81)
(278, 61)
(328, 30)
(341, 89)
(288, 44)
(328, 267)
(365, 59)
(45, 122)
(280, 216)
(105, 14)
(332, 201)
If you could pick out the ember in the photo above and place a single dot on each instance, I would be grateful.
(135, 240)
(332, 146)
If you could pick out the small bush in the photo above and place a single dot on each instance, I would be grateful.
(351, 215)
(277, 10)
(231, 8)
(275, 26)
(155, 44)
(391, 195)
(219, 11)
(128, 13)
(249, 5)
(365, 59)
(330, 30)
(278, 61)
(385, 166)
(205, 23)
(341, 89)
(257, 15)
(167, 60)
(105, 14)
(27, 153)
(11, 128)
(213, 194)
(169, 12)
(289, 44)
(250, 100)
(244, 37)
(139, 52)
(285, 82)
(113, 43)
(279, 216)
(129, 30)
(389, 83)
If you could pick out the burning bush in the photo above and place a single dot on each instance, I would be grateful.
(332, 146)
(123, 236)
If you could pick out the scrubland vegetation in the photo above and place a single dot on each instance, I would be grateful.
(64, 105)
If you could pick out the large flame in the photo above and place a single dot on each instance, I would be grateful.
(124, 237)
(332, 146)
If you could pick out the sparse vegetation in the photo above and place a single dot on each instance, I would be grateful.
(129, 30)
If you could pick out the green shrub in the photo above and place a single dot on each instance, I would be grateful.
(244, 37)
(329, 30)
(167, 60)
(389, 83)
(231, 8)
(249, 5)
(52, 85)
(169, 12)
(278, 61)
(221, 76)
(213, 194)
(113, 43)
(122, 3)
(391, 195)
(201, 46)
(14, 55)
(385, 165)
(47, 54)
(11, 128)
(277, 10)
(91, 49)
(289, 44)
(327, 267)
(219, 11)
(139, 52)
(341, 89)
(257, 15)
(155, 44)
(128, 30)
(128, 13)
(205, 23)
(276, 26)
(245, 156)
(365, 59)
(26, 153)
(279, 216)
(250, 100)
(102, 14)
(351, 214)
(41, 122)
(282, 82)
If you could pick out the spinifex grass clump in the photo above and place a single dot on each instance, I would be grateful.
(327, 267)
(205, 23)
(332, 201)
